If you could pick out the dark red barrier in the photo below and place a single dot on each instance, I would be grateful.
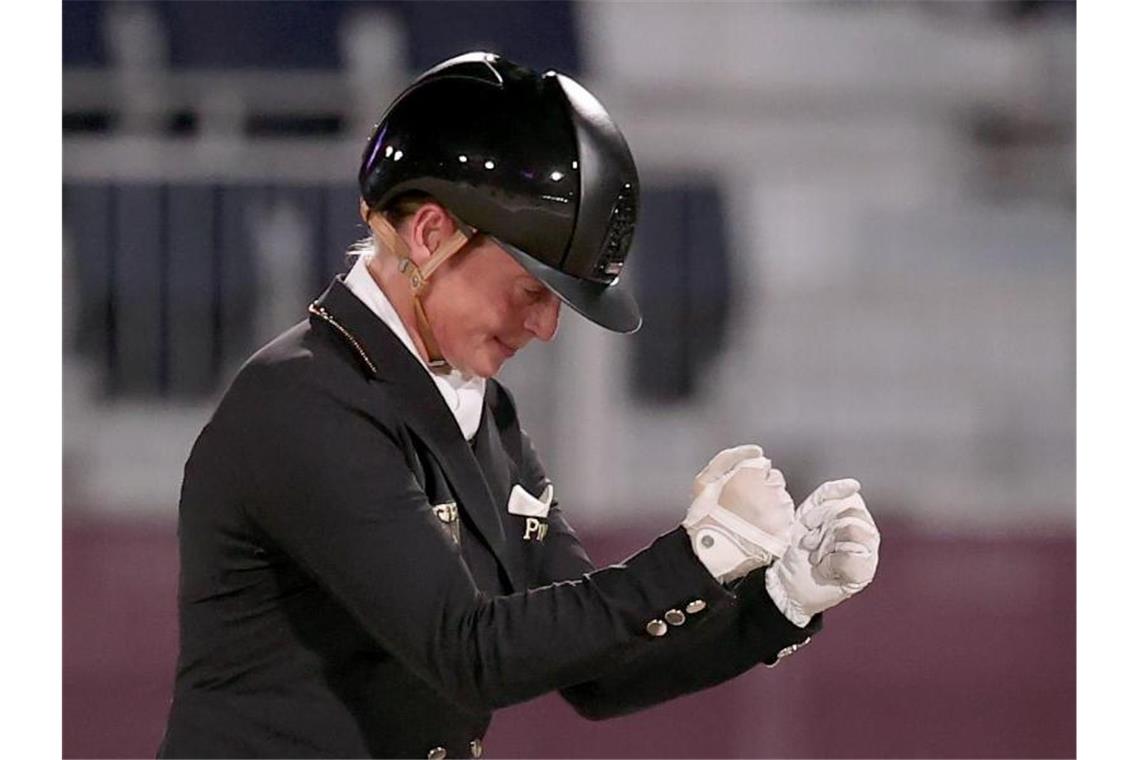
(963, 647)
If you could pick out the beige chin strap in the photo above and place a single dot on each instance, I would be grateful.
(418, 277)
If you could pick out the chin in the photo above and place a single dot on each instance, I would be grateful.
(489, 360)
(488, 368)
(483, 366)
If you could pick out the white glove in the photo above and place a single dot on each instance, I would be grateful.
(741, 515)
(833, 553)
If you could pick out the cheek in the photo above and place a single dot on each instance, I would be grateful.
(467, 329)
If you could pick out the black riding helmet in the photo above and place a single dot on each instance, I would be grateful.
(533, 161)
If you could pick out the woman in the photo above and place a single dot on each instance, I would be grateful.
(372, 556)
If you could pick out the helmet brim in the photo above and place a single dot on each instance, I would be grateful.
(610, 306)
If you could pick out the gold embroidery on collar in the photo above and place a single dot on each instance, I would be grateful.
(321, 312)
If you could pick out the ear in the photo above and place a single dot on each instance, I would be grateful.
(428, 227)
(364, 211)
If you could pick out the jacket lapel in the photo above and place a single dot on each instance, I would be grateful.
(500, 474)
(493, 459)
(386, 359)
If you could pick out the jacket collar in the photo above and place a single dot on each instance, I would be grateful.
(384, 358)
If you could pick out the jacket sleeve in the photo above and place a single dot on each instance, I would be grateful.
(711, 646)
(331, 487)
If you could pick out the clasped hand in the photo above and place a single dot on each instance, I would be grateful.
(832, 555)
(741, 515)
(742, 519)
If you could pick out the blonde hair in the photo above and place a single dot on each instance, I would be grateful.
(396, 211)
(365, 247)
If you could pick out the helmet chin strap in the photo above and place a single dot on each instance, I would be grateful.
(418, 277)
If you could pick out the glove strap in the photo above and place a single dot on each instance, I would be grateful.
(723, 555)
(747, 531)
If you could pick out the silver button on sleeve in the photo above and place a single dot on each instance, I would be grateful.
(656, 627)
(790, 649)
(674, 617)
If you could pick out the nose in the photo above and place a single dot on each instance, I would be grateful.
(542, 320)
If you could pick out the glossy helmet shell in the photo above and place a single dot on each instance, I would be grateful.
(533, 161)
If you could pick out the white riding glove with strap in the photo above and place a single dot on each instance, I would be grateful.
(741, 515)
(832, 555)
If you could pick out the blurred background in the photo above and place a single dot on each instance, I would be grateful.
(856, 248)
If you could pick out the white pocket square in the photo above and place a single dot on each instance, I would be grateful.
(522, 503)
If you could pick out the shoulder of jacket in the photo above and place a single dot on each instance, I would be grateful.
(302, 364)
